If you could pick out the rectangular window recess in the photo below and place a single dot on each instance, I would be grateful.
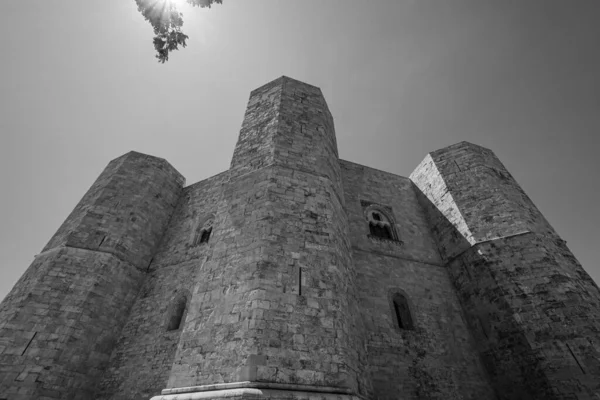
(398, 316)
(29, 343)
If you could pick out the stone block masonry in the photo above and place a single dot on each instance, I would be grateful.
(276, 290)
(59, 324)
(297, 275)
(530, 305)
(437, 359)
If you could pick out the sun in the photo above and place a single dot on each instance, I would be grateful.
(177, 3)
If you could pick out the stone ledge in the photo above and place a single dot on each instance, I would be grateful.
(256, 394)
(378, 239)
(257, 390)
(68, 247)
(258, 385)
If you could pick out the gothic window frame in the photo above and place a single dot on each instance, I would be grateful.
(406, 324)
(380, 218)
(203, 231)
(178, 309)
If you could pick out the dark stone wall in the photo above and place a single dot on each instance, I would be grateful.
(534, 312)
(274, 302)
(59, 324)
(530, 305)
(141, 362)
(436, 360)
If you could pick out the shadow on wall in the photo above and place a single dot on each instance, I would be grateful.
(512, 365)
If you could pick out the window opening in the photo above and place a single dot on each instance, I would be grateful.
(203, 232)
(402, 311)
(177, 315)
(380, 231)
(380, 226)
(205, 235)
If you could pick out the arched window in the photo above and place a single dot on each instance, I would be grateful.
(402, 312)
(177, 313)
(205, 235)
(380, 225)
(203, 231)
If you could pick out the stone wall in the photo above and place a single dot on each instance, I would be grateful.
(141, 362)
(59, 323)
(436, 360)
(126, 211)
(292, 296)
(274, 301)
(530, 305)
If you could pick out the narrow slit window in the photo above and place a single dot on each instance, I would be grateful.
(29, 343)
(177, 315)
(402, 311)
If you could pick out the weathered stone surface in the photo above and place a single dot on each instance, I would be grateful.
(59, 324)
(276, 291)
(437, 359)
(297, 275)
(531, 307)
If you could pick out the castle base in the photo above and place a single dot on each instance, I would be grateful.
(257, 390)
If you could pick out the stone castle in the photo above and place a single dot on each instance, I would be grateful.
(297, 275)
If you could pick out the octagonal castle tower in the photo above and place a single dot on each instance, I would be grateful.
(297, 275)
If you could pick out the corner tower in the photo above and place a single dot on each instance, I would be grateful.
(59, 323)
(531, 307)
(274, 310)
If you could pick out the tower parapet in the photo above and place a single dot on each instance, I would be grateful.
(60, 321)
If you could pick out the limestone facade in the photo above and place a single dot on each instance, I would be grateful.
(297, 275)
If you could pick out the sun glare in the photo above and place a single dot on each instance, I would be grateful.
(177, 3)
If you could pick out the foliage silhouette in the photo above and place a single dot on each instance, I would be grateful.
(166, 20)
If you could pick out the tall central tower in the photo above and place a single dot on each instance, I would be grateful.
(295, 275)
(273, 306)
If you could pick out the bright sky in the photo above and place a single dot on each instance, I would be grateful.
(79, 86)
